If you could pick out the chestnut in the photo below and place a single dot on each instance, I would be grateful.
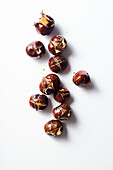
(45, 25)
(35, 49)
(57, 44)
(57, 63)
(81, 78)
(53, 127)
(61, 95)
(49, 84)
(38, 102)
(62, 112)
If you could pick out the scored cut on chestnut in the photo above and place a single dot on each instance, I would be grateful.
(38, 101)
(62, 112)
(49, 84)
(45, 25)
(57, 63)
(53, 128)
(57, 44)
(82, 78)
(35, 49)
(61, 95)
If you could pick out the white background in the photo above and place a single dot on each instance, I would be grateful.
(87, 140)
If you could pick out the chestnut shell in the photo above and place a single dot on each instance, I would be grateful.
(81, 78)
(57, 63)
(35, 49)
(53, 128)
(49, 84)
(45, 29)
(42, 29)
(62, 112)
(57, 44)
(38, 102)
(61, 95)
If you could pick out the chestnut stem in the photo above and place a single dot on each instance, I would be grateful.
(42, 12)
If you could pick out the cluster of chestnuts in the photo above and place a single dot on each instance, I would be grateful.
(50, 84)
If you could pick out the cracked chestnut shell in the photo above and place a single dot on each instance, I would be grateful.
(61, 95)
(57, 44)
(35, 49)
(45, 25)
(49, 84)
(57, 63)
(38, 102)
(53, 128)
(62, 112)
(82, 78)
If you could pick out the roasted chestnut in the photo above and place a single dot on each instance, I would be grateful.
(49, 84)
(35, 49)
(57, 44)
(61, 95)
(38, 102)
(53, 127)
(57, 63)
(62, 112)
(45, 25)
(81, 78)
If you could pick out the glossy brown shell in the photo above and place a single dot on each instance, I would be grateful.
(49, 84)
(45, 30)
(62, 112)
(42, 29)
(59, 47)
(57, 63)
(81, 78)
(61, 95)
(35, 49)
(38, 102)
(53, 127)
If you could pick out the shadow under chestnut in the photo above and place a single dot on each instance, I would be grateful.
(92, 87)
(44, 58)
(70, 100)
(67, 53)
(55, 31)
(73, 119)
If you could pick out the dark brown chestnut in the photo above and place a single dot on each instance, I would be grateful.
(57, 44)
(61, 95)
(53, 127)
(38, 102)
(62, 112)
(45, 25)
(81, 78)
(49, 84)
(35, 49)
(57, 63)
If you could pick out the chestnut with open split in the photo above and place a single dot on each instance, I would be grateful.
(45, 25)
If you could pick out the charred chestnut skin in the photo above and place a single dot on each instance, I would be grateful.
(57, 63)
(61, 95)
(38, 101)
(49, 84)
(62, 112)
(35, 49)
(53, 128)
(45, 25)
(57, 44)
(82, 78)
